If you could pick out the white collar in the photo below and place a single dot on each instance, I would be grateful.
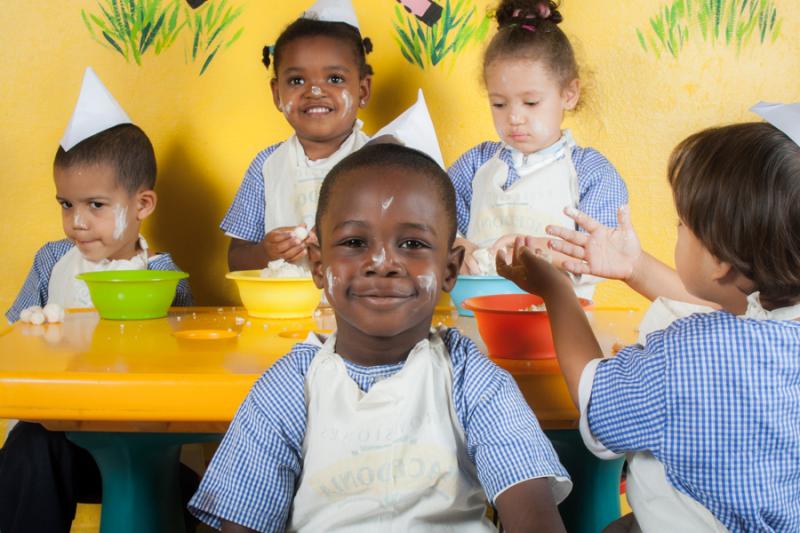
(756, 311)
(554, 151)
(347, 145)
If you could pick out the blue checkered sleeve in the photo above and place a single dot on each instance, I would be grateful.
(461, 174)
(245, 217)
(251, 479)
(503, 436)
(34, 290)
(627, 406)
(183, 293)
(602, 190)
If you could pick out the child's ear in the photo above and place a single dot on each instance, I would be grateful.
(571, 93)
(454, 259)
(146, 201)
(315, 261)
(276, 98)
(723, 272)
(364, 90)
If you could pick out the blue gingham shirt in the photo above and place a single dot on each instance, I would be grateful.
(34, 290)
(245, 217)
(716, 399)
(602, 190)
(252, 478)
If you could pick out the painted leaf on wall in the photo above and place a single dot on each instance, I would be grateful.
(132, 28)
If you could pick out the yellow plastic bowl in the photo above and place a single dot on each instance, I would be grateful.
(276, 297)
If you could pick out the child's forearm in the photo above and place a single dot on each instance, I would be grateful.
(653, 279)
(230, 527)
(529, 506)
(246, 255)
(573, 337)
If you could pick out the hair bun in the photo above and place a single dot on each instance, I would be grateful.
(367, 43)
(266, 54)
(518, 12)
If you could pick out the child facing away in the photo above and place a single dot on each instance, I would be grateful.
(522, 183)
(321, 79)
(385, 424)
(104, 171)
(708, 410)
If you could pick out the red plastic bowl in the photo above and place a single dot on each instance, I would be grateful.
(511, 332)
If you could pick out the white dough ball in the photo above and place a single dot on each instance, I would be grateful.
(37, 318)
(300, 232)
(26, 313)
(53, 313)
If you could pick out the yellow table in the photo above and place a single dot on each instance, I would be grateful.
(137, 389)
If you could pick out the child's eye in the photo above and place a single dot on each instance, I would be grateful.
(335, 79)
(96, 205)
(413, 244)
(353, 242)
(498, 105)
(296, 81)
(64, 204)
(531, 103)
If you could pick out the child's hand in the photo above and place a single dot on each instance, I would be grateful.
(505, 244)
(280, 243)
(531, 269)
(604, 252)
(470, 265)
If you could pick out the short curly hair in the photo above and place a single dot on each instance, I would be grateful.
(387, 154)
(125, 148)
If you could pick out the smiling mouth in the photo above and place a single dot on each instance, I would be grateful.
(382, 301)
(318, 110)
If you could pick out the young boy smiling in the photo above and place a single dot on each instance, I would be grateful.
(384, 424)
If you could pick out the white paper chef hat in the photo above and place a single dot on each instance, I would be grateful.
(96, 111)
(333, 11)
(785, 117)
(414, 128)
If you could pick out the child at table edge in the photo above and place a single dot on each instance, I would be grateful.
(104, 171)
(708, 409)
(382, 265)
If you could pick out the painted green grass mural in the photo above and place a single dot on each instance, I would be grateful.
(133, 28)
(725, 22)
(427, 45)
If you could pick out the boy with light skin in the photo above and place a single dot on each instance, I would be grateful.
(442, 428)
(104, 173)
(707, 408)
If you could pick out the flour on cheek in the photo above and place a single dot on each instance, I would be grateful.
(348, 102)
(120, 221)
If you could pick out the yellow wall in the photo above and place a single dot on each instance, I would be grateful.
(206, 129)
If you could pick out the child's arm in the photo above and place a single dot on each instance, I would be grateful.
(615, 253)
(230, 527)
(279, 243)
(574, 340)
(529, 506)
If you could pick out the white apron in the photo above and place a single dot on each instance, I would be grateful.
(393, 459)
(63, 289)
(659, 507)
(547, 184)
(292, 182)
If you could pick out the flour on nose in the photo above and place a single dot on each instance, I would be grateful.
(316, 91)
(77, 222)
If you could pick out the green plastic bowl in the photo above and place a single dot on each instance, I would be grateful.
(132, 294)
